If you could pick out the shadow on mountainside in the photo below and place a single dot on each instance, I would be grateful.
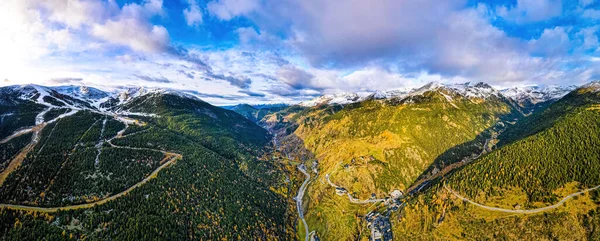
(462, 154)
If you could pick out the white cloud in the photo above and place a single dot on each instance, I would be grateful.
(228, 9)
(345, 32)
(552, 42)
(589, 38)
(585, 3)
(531, 10)
(127, 26)
(193, 14)
(296, 78)
(134, 33)
(75, 13)
(591, 14)
(443, 38)
(328, 46)
(373, 78)
(131, 27)
(61, 38)
(22, 39)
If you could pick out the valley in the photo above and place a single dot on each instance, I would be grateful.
(300, 120)
(331, 203)
(436, 162)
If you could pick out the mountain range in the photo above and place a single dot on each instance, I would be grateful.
(527, 96)
(439, 162)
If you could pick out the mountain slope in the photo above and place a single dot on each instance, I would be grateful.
(547, 157)
(534, 151)
(190, 170)
(377, 146)
(532, 98)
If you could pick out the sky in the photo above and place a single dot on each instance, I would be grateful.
(272, 51)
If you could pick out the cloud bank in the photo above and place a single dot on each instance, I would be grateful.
(259, 51)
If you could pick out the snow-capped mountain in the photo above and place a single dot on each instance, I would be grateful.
(475, 90)
(468, 90)
(594, 85)
(84, 97)
(340, 98)
(531, 95)
(78, 97)
(82, 92)
(388, 94)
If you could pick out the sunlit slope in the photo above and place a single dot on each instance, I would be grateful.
(537, 185)
(388, 145)
(376, 146)
(541, 154)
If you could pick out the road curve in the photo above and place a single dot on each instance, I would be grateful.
(299, 198)
(350, 197)
(173, 157)
(528, 211)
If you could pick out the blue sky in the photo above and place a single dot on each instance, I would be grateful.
(260, 51)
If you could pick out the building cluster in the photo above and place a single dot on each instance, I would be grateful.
(380, 226)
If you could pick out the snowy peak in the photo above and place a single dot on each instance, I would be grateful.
(82, 92)
(536, 94)
(79, 97)
(128, 93)
(475, 90)
(431, 86)
(125, 94)
(340, 99)
(389, 94)
(468, 90)
(594, 86)
(525, 96)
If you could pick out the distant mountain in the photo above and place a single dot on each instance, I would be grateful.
(534, 97)
(257, 106)
(468, 90)
(256, 112)
(270, 106)
(340, 99)
(83, 92)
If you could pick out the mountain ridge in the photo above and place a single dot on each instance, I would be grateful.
(522, 95)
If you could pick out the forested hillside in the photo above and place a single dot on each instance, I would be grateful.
(542, 153)
(158, 166)
(539, 183)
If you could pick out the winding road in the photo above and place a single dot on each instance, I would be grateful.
(299, 198)
(172, 160)
(350, 197)
(35, 138)
(170, 156)
(527, 211)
